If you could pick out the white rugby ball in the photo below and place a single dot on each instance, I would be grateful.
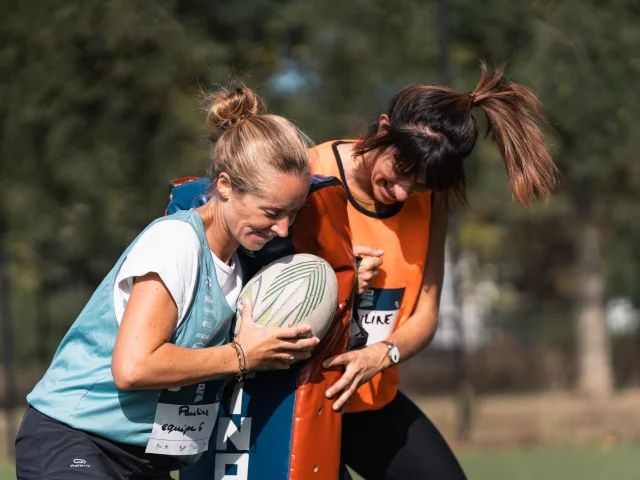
(296, 289)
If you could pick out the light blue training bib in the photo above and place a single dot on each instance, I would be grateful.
(78, 389)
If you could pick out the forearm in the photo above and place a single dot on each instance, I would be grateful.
(415, 334)
(172, 366)
(362, 365)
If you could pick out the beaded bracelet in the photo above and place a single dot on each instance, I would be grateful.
(242, 366)
(246, 358)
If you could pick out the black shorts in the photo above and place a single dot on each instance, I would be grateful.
(397, 442)
(50, 450)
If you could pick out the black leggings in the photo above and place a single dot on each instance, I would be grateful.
(397, 442)
(48, 449)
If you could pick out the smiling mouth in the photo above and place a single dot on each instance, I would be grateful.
(389, 192)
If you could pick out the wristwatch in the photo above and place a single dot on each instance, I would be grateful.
(394, 353)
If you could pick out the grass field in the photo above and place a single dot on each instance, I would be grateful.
(621, 462)
(551, 463)
(7, 472)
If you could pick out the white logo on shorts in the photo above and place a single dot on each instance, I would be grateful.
(79, 463)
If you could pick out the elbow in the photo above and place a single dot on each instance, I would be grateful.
(427, 331)
(427, 341)
(431, 332)
(127, 377)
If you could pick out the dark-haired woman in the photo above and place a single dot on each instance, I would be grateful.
(134, 388)
(399, 179)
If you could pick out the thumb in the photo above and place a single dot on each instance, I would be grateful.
(247, 312)
(366, 250)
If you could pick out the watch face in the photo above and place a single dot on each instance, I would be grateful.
(394, 354)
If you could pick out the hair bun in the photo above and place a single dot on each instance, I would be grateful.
(226, 107)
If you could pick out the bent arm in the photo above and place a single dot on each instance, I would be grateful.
(419, 329)
(414, 335)
(143, 358)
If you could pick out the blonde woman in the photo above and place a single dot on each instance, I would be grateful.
(129, 393)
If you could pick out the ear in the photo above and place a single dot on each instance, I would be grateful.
(383, 123)
(223, 186)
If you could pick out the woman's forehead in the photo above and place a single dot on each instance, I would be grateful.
(285, 191)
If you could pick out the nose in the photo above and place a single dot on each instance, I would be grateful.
(281, 227)
(401, 191)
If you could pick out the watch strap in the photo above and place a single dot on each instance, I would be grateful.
(391, 346)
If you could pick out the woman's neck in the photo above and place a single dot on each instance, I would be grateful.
(357, 173)
(219, 238)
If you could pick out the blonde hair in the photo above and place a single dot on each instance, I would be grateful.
(249, 144)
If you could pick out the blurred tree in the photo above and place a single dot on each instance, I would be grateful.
(98, 111)
(94, 118)
(577, 57)
(585, 78)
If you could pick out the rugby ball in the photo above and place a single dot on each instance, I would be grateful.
(296, 289)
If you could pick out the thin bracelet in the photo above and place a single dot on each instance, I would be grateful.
(241, 370)
(242, 364)
(246, 358)
(233, 345)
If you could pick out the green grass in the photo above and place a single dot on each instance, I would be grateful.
(537, 463)
(7, 471)
(551, 463)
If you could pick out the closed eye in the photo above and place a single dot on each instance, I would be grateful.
(275, 214)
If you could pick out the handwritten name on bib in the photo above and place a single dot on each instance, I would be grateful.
(378, 310)
(184, 428)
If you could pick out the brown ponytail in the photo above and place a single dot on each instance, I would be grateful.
(431, 130)
(514, 117)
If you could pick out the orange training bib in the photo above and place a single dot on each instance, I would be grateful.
(403, 234)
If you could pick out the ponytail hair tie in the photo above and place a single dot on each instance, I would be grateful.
(472, 98)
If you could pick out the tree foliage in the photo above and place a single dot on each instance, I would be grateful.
(99, 109)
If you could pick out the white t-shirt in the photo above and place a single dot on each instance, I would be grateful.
(172, 250)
